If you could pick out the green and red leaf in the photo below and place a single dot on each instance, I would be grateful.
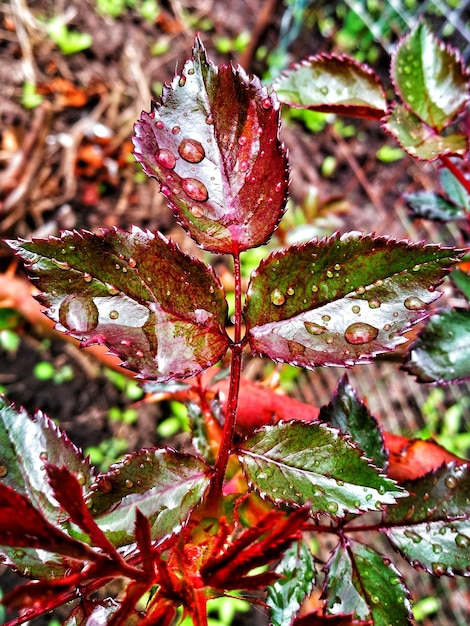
(442, 351)
(159, 310)
(333, 84)
(298, 463)
(429, 78)
(431, 528)
(212, 143)
(164, 485)
(365, 583)
(341, 300)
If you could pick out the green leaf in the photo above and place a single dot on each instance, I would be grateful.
(347, 413)
(462, 281)
(161, 311)
(163, 484)
(342, 300)
(419, 139)
(442, 351)
(454, 188)
(285, 596)
(69, 41)
(26, 443)
(431, 528)
(212, 144)
(367, 584)
(336, 84)
(433, 206)
(429, 77)
(298, 463)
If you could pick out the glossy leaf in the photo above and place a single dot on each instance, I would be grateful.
(431, 529)
(453, 188)
(433, 206)
(163, 484)
(26, 444)
(331, 83)
(365, 583)
(429, 77)
(346, 412)
(160, 310)
(420, 140)
(298, 463)
(342, 300)
(212, 143)
(442, 351)
(285, 596)
(98, 614)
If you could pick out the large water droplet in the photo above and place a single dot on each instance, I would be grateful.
(191, 150)
(195, 189)
(414, 304)
(166, 158)
(314, 329)
(415, 538)
(277, 297)
(3, 470)
(462, 541)
(332, 507)
(439, 569)
(360, 333)
(78, 314)
(451, 482)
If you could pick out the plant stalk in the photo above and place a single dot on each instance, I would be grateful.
(234, 389)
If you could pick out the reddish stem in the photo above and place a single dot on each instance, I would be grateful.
(457, 172)
(234, 389)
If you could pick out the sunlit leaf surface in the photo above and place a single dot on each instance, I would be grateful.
(342, 300)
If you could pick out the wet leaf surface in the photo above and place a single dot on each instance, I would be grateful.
(429, 77)
(163, 484)
(431, 529)
(212, 143)
(365, 583)
(296, 463)
(160, 310)
(342, 300)
(442, 351)
(419, 139)
(346, 412)
(285, 596)
(335, 84)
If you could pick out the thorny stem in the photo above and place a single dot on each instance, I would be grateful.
(457, 172)
(234, 388)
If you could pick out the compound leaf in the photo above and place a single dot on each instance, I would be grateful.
(365, 583)
(336, 84)
(161, 311)
(419, 139)
(429, 77)
(442, 351)
(212, 144)
(342, 300)
(285, 596)
(346, 412)
(298, 463)
(163, 484)
(431, 528)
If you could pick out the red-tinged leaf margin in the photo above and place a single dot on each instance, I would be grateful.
(231, 193)
(319, 92)
(425, 73)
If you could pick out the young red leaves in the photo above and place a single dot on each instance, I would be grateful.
(212, 143)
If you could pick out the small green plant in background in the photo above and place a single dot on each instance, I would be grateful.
(69, 40)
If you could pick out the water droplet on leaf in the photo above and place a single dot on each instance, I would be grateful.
(360, 333)
(3, 470)
(78, 314)
(277, 297)
(414, 304)
(438, 568)
(374, 303)
(113, 315)
(195, 189)
(451, 482)
(356, 308)
(314, 329)
(87, 277)
(191, 150)
(332, 507)
(462, 541)
(166, 158)
(290, 291)
(175, 130)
